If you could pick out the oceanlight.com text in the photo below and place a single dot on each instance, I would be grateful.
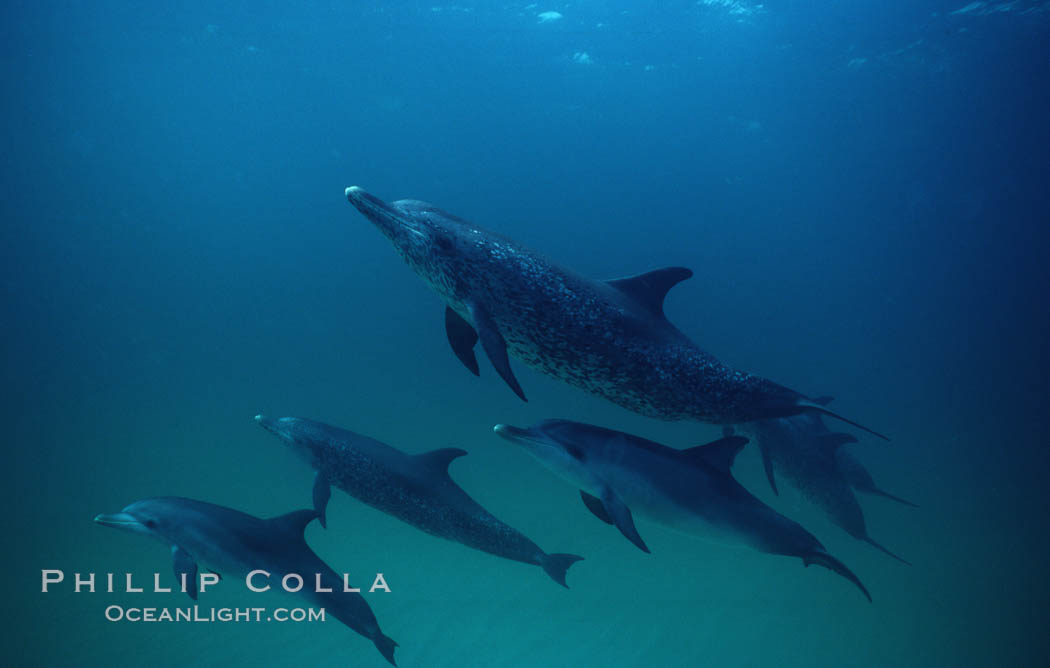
(196, 613)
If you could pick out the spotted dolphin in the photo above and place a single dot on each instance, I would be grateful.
(234, 543)
(804, 451)
(416, 489)
(610, 338)
(690, 490)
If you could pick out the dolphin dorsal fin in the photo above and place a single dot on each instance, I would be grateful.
(293, 524)
(438, 460)
(650, 289)
(719, 454)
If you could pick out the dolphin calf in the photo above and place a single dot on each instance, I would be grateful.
(610, 338)
(690, 490)
(802, 449)
(234, 543)
(416, 489)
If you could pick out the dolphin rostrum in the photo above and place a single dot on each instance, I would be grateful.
(610, 338)
(234, 543)
(860, 479)
(803, 450)
(690, 490)
(416, 489)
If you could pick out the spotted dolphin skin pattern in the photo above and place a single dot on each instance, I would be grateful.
(610, 338)
(802, 450)
(416, 489)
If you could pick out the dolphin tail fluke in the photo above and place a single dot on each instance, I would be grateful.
(831, 563)
(878, 492)
(871, 542)
(767, 464)
(322, 493)
(807, 405)
(556, 565)
(386, 646)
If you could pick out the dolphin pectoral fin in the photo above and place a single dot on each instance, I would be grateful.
(767, 464)
(886, 495)
(806, 405)
(594, 504)
(185, 570)
(621, 516)
(831, 563)
(322, 493)
(871, 542)
(651, 288)
(462, 338)
(720, 454)
(496, 348)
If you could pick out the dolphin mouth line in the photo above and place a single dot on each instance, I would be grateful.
(504, 430)
(514, 434)
(265, 423)
(116, 520)
(373, 207)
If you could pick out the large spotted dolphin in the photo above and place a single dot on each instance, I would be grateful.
(804, 451)
(610, 338)
(204, 535)
(416, 489)
(691, 491)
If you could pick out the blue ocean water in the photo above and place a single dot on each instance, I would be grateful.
(860, 189)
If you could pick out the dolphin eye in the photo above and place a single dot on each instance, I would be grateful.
(575, 452)
(150, 524)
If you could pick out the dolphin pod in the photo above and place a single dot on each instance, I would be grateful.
(610, 338)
